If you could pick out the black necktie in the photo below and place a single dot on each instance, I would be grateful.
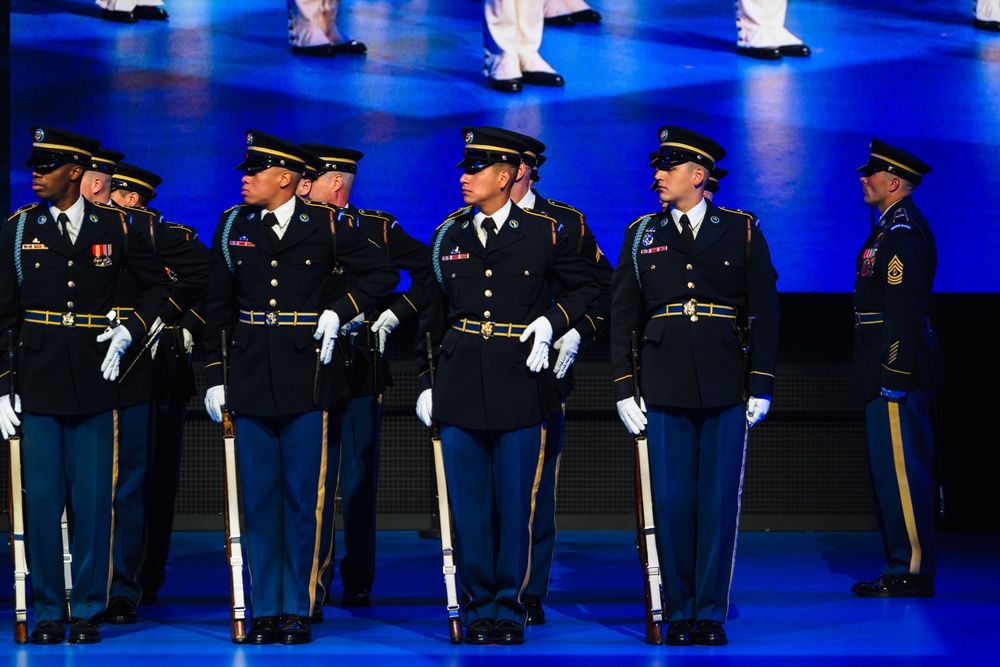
(62, 221)
(489, 225)
(270, 221)
(686, 233)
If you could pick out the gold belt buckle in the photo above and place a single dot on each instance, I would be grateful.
(486, 329)
(270, 319)
(691, 309)
(68, 319)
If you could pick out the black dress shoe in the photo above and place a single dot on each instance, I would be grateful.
(82, 631)
(318, 51)
(480, 631)
(317, 615)
(48, 632)
(710, 633)
(795, 50)
(120, 611)
(896, 586)
(586, 16)
(294, 629)
(505, 85)
(352, 48)
(263, 631)
(562, 21)
(508, 632)
(992, 26)
(543, 78)
(680, 633)
(118, 17)
(360, 598)
(536, 614)
(150, 13)
(760, 53)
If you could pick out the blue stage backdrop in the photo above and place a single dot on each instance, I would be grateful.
(177, 97)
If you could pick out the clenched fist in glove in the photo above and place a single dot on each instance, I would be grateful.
(425, 404)
(383, 326)
(326, 330)
(633, 414)
(542, 331)
(568, 346)
(757, 407)
(215, 399)
(120, 340)
(8, 415)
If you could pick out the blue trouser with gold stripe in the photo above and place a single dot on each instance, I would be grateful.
(358, 485)
(134, 443)
(282, 464)
(901, 454)
(491, 483)
(543, 525)
(68, 462)
(696, 463)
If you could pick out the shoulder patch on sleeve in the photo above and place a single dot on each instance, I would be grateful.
(901, 225)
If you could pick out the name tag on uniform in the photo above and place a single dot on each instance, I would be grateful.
(646, 251)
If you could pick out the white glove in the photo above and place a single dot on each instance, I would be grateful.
(425, 402)
(568, 346)
(383, 326)
(120, 340)
(757, 407)
(353, 324)
(633, 414)
(215, 399)
(326, 329)
(542, 331)
(188, 340)
(8, 415)
(157, 327)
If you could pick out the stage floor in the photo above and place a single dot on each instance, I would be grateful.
(791, 605)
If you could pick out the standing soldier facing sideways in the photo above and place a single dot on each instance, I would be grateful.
(685, 280)
(489, 312)
(335, 171)
(893, 375)
(61, 262)
(269, 289)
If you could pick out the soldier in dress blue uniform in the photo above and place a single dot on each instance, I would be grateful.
(893, 375)
(61, 262)
(684, 280)
(573, 223)
(184, 260)
(488, 309)
(272, 291)
(360, 347)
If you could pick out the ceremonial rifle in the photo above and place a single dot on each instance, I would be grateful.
(15, 505)
(234, 550)
(444, 517)
(646, 532)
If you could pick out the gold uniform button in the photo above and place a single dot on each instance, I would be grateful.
(689, 267)
(71, 284)
(489, 272)
(694, 318)
(309, 262)
(690, 285)
(486, 314)
(488, 292)
(69, 263)
(274, 282)
(272, 302)
(38, 265)
(726, 262)
(527, 273)
(70, 305)
(274, 262)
